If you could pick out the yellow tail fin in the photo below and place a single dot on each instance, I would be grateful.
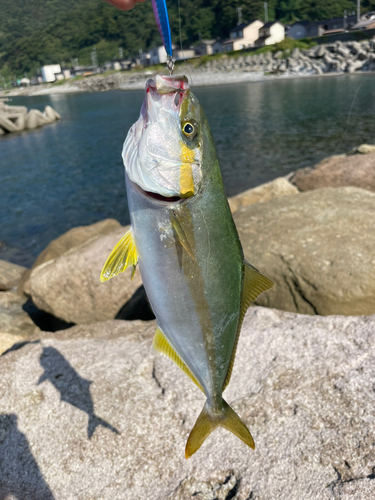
(207, 423)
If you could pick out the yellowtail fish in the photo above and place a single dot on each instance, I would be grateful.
(185, 242)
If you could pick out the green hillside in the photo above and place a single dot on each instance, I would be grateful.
(38, 32)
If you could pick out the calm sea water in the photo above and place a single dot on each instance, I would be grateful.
(70, 173)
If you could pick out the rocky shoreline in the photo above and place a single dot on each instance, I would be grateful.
(77, 369)
(333, 59)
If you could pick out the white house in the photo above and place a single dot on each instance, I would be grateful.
(204, 47)
(270, 33)
(244, 34)
(181, 54)
(49, 72)
(158, 55)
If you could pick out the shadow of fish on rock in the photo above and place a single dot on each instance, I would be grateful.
(73, 389)
(20, 477)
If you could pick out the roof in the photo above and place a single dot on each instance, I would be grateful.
(208, 42)
(270, 23)
(243, 25)
(261, 38)
(363, 24)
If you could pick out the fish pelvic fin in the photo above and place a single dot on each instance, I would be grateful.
(207, 423)
(254, 283)
(122, 256)
(161, 344)
(180, 233)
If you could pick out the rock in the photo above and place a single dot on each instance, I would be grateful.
(71, 239)
(15, 323)
(337, 171)
(355, 65)
(317, 246)
(10, 274)
(302, 384)
(295, 53)
(366, 149)
(264, 192)
(69, 287)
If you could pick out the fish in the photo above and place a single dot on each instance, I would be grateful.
(185, 243)
(73, 389)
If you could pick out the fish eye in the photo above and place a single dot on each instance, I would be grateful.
(189, 129)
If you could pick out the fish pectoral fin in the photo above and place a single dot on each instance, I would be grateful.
(122, 256)
(161, 344)
(254, 283)
(206, 423)
(180, 233)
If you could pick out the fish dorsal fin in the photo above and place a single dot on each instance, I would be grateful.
(122, 256)
(254, 283)
(161, 344)
(180, 233)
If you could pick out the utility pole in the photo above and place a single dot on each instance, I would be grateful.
(239, 10)
(120, 52)
(94, 58)
(358, 10)
(266, 12)
(200, 37)
(344, 20)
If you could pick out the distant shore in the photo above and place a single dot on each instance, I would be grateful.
(121, 81)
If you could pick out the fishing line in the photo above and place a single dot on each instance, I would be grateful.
(350, 113)
(183, 55)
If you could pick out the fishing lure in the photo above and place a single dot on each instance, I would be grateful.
(162, 20)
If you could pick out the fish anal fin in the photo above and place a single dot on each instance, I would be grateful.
(161, 344)
(254, 283)
(180, 233)
(122, 256)
(206, 423)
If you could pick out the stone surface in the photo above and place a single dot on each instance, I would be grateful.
(69, 286)
(72, 238)
(337, 171)
(317, 246)
(260, 194)
(15, 323)
(366, 148)
(303, 385)
(10, 274)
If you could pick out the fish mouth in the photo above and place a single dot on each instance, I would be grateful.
(159, 197)
(156, 197)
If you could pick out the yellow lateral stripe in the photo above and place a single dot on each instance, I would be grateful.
(254, 284)
(186, 172)
(161, 344)
(123, 255)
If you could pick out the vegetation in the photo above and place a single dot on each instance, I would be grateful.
(39, 32)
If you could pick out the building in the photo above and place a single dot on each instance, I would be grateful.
(158, 55)
(312, 29)
(49, 72)
(204, 47)
(181, 54)
(367, 22)
(270, 33)
(245, 34)
(217, 47)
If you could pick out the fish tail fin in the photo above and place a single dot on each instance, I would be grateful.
(206, 423)
(94, 422)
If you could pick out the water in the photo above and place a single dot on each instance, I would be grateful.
(70, 173)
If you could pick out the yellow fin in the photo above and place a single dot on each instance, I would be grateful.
(123, 255)
(207, 423)
(254, 284)
(161, 344)
(181, 234)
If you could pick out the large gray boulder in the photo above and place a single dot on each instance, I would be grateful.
(317, 246)
(71, 239)
(15, 324)
(337, 171)
(260, 194)
(91, 412)
(69, 287)
(10, 274)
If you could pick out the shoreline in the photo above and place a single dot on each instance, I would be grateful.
(206, 78)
